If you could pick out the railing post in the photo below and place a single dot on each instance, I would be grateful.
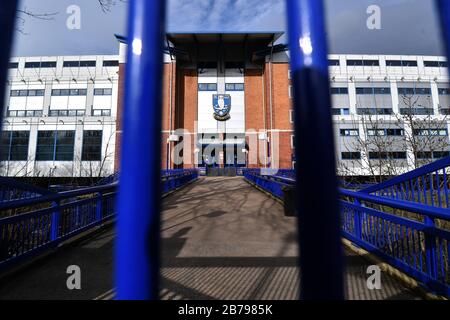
(430, 249)
(56, 218)
(317, 206)
(357, 220)
(137, 249)
(99, 207)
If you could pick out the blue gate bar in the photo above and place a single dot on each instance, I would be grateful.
(137, 249)
(443, 10)
(8, 9)
(316, 192)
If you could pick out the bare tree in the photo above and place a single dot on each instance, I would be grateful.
(407, 141)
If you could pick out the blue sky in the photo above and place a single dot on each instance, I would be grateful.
(408, 26)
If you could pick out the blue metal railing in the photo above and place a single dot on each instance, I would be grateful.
(401, 234)
(413, 237)
(11, 189)
(45, 221)
(428, 185)
(55, 218)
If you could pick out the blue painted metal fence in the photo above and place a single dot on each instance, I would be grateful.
(414, 237)
(32, 225)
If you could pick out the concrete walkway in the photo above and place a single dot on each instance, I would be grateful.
(222, 239)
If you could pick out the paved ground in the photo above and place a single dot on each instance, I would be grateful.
(222, 239)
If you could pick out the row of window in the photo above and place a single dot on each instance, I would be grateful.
(396, 155)
(51, 145)
(27, 93)
(389, 63)
(394, 132)
(59, 113)
(418, 111)
(401, 91)
(213, 87)
(60, 92)
(66, 64)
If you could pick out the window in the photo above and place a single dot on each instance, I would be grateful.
(401, 63)
(385, 132)
(13, 65)
(291, 116)
(340, 111)
(92, 145)
(67, 113)
(436, 64)
(55, 145)
(333, 62)
(101, 112)
(413, 91)
(440, 154)
(371, 90)
(396, 155)
(14, 145)
(291, 92)
(374, 111)
(27, 93)
(234, 87)
(207, 87)
(103, 92)
(430, 132)
(37, 64)
(349, 132)
(51, 64)
(351, 155)
(110, 63)
(444, 91)
(69, 92)
(292, 141)
(423, 155)
(336, 90)
(32, 65)
(289, 74)
(417, 111)
(76, 64)
(24, 113)
(365, 63)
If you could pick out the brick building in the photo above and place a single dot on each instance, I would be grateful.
(227, 101)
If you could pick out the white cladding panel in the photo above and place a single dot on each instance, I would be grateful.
(206, 121)
(236, 123)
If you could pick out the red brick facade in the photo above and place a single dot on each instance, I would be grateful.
(267, 108)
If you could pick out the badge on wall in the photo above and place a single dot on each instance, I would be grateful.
(222, 106)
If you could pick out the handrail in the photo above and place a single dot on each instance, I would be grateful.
(55, 197)
(432, 212)
(429, 168)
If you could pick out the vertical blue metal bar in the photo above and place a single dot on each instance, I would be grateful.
(320, 261)
(8, 10)
(137, 249)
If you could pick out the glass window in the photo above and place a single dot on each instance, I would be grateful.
(48, 64)
(351, 155)
(110, 63)
(88, 63)
(333, 62)
(349, 132)
(92, 145)
(45, 146)
(55, 146)
(14, 145)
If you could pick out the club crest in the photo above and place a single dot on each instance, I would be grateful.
(222, 106)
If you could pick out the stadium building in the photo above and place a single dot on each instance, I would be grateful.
(227, 98)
